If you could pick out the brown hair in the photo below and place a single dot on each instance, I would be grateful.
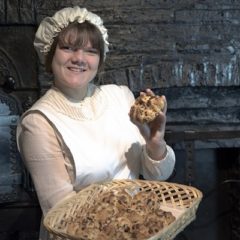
(77, 35)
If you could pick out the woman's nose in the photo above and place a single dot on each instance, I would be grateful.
(78, 55)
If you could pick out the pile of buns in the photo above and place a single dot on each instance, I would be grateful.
(120, 215)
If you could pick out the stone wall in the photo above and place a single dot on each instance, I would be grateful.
(187, 50)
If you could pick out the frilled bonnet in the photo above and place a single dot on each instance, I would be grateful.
(51, 26)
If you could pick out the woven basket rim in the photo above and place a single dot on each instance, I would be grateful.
(171, 230)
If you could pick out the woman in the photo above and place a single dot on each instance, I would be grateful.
(79, 133)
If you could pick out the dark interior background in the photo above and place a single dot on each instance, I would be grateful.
(187, 50)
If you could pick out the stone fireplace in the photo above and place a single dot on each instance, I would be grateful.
(187, 51)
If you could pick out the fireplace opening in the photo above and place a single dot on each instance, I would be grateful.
(216, 173)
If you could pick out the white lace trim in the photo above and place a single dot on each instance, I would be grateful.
(90, 108)
(51, 26)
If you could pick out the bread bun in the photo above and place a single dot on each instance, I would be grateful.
(146, 108)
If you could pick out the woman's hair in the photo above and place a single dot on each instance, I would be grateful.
(77, 35)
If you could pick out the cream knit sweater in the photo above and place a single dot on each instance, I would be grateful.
(67, 146)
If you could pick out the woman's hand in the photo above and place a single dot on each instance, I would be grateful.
(154, 131)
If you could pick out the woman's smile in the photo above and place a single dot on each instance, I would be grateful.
(77, 69)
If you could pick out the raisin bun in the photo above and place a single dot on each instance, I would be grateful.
(146, 108)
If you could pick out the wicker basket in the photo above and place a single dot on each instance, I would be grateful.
(181, 200)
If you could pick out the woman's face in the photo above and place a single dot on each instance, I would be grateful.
(75, 68)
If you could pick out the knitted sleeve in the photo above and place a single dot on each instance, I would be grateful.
(44, 159)
(152, 169)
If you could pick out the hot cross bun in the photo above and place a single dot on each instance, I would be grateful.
(146, 108)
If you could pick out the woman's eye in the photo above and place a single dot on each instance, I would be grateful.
(92, 51)
(69, 48)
